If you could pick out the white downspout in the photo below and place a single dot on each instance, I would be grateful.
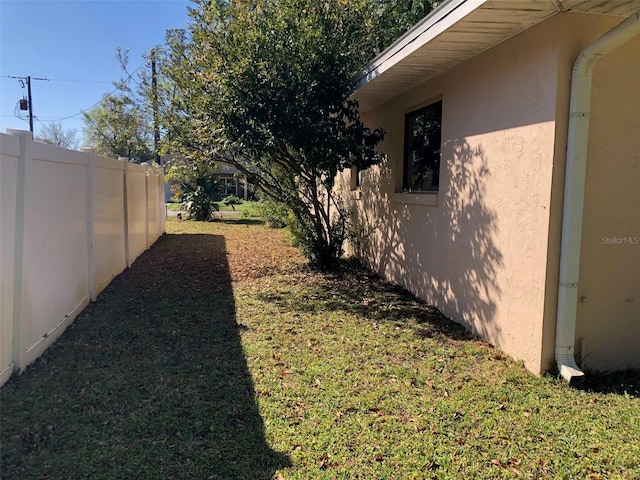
(575, 175)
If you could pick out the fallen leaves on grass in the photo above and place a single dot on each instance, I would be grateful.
(219, 349)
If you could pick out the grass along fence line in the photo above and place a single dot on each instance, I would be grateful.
(219, 355)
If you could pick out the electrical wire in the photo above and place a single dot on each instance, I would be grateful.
(65, 80)
(70, 80)
(16, 112)
(129, 77)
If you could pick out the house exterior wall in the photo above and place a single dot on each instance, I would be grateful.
(231, 185)
(576, 32)
(478, 252)
(485, 248)
(608, 321)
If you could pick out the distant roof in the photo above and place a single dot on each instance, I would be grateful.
(457, 31)
(224, 169)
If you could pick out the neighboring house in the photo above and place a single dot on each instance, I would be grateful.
(470, 210)
(232, 182)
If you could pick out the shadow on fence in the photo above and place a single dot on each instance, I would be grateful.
(150, 381)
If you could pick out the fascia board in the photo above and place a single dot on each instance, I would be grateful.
(434, 24)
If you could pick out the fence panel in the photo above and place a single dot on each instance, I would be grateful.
(136, 210)
(55, 285)
(70, 222)
(108, 221)
(162, 206)
(9, 157)
(152, 208)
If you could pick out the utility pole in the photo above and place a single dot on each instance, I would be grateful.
(30, 104)
(154, 93)
(27, 80)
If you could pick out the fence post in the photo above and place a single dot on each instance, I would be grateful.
(22, 184)
(90, 240)
(162, 207)
(125, 174)
(146, 202)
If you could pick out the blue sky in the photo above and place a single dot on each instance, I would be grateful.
(74, 43)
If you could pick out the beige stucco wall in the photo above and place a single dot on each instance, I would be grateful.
(609, 288)
(480, 249)
(576, 32)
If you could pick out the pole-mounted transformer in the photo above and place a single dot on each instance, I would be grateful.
(27, 103)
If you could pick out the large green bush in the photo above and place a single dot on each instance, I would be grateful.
(276, 214)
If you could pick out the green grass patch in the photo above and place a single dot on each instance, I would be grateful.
(245, 206)
(220, 355)
(176, 206)
(242, 207)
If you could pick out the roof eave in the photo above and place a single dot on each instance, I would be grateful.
(437, 22)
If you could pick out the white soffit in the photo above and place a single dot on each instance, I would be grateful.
(457, 31)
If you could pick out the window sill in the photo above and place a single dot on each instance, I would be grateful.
(427, 199)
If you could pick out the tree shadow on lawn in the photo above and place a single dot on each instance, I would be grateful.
(355, 290)
(150, 381)
(240, 221)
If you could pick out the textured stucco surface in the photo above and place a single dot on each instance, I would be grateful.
(575, 33)
(480, 253)
(609, 288)
(484, 249)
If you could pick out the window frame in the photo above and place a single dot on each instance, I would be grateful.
(229, 186)
(356, 178)
(430, 109)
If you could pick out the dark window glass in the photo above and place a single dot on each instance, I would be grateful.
(422, 149)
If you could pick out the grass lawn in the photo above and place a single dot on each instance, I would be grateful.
(245, 205)
(218, 355)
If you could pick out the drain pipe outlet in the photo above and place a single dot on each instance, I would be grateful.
(575, 175)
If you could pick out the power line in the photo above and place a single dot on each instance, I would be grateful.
(129, 77)
(71, 80)
(74, 80)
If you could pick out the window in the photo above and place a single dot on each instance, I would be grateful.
(422, 135)
(228, 186)
(356, 177)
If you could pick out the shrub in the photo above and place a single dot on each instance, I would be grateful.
(276, 214)
(252, 210)
(200, 206)
(199, 198)
(231, 200)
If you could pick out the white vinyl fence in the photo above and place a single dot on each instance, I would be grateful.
(69, 223)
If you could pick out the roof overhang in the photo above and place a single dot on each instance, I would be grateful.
(457, 31)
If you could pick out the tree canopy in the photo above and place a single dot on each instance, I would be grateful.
(265, 87)
(115, 127)
(394, 17)
(128, 121)
(54, 134)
